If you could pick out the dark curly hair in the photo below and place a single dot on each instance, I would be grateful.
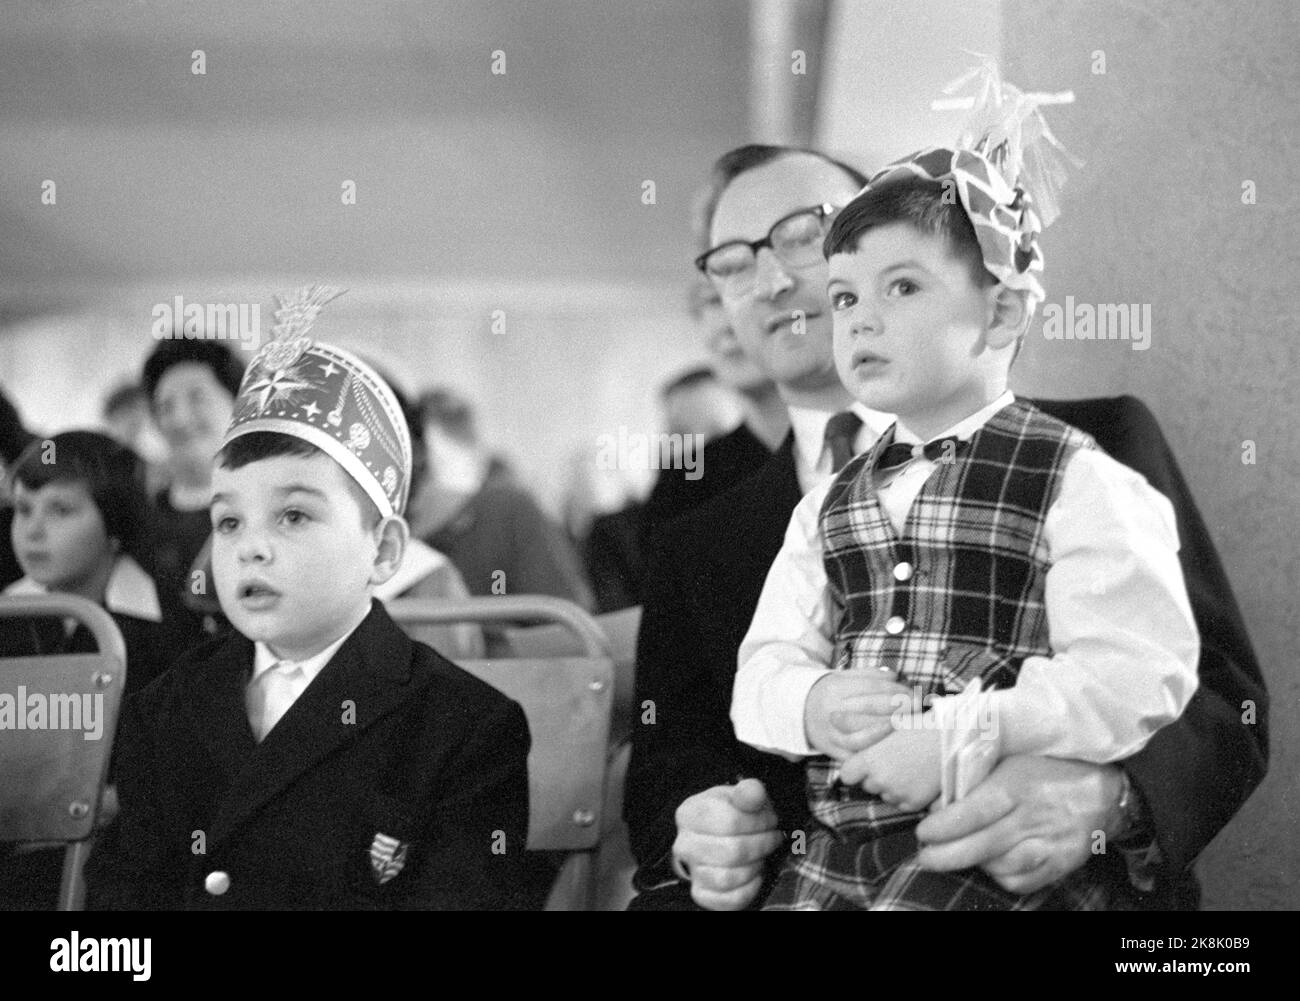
(226, 366)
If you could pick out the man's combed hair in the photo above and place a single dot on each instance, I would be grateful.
(112, 474)
(743, 159)
(927, 206)
(258, 445)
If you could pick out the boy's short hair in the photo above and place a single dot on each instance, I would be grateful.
(927, 206)
(258, 445)
(225, 365)
(112, 473)
(743, 159)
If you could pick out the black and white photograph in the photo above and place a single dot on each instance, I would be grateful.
(648, 455)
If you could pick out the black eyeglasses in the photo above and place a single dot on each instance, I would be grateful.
(795, 239)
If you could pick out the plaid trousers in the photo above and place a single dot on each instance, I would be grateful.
(843, 870)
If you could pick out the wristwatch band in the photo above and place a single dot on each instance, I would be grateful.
(1133, 815)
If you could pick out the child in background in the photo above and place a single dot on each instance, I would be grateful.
(79, 509)
(79, 505)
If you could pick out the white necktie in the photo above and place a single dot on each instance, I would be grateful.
(271, 695)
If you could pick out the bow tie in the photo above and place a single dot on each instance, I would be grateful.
(898, 454)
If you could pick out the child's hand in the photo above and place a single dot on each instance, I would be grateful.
(903, 769)
(848, 711)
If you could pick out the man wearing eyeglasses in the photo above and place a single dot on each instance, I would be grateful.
(710, 818)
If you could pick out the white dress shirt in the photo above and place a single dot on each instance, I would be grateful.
(812, 457)
(268, 699)
(1124, 642)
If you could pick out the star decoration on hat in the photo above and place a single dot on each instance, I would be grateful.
(276, 387)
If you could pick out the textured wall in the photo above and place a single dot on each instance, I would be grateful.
(1197, 98)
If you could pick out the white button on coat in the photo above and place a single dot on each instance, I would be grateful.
(903, 571)
(217, 883)
(895, 625)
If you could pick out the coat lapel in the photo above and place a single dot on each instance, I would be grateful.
(783, 478)
(365, 681)
(773, 495)
(216, 694)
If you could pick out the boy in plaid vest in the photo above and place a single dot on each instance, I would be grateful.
(978, 539)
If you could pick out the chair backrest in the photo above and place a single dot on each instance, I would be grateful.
(620, 632)
(568, 701)
(58, 718)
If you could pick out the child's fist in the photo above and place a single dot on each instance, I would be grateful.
(847, 711)
(903, 769)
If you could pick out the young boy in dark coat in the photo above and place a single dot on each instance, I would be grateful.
(317, 758)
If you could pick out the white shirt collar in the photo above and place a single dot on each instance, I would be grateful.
(264, 659)
(964, 428)
(130, 590)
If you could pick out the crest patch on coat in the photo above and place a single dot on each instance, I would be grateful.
(387, 857)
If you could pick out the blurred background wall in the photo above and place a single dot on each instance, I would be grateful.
(523, 192)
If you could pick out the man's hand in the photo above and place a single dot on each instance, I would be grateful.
(1031, 822)
(724, 834)
(903, 769)
(848, 711)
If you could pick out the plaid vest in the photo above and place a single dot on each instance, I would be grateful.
(958, 595)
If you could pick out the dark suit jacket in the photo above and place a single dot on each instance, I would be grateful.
(612, 555)
(704, 580)
(435, 759)
(725, 462)
(502, 531)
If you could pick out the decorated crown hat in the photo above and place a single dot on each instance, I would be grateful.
(1007, 168)
(328, 397)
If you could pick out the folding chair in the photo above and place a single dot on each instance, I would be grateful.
(619, 630)
(52, 777)
(568, 701)
(616, 865)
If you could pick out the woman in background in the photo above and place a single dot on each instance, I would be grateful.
(191, 386)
